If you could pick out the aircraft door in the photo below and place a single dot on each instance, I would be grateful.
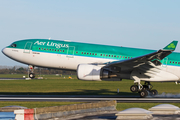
(164, 62)
(27, 47)
(70, 52)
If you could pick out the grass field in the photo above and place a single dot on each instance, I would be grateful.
(35, 104)
(120, 106)
(55, 85)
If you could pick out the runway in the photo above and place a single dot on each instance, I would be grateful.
(85, 98)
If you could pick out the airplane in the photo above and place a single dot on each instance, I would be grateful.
(100, 62)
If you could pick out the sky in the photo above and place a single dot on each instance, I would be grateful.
(149, 24)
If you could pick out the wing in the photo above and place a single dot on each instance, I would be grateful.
(153, 57)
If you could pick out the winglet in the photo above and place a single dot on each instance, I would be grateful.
(171, 46)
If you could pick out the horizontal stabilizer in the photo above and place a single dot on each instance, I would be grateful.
(171, 46)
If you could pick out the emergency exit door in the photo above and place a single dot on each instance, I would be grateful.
(70, 51)
(27, 47)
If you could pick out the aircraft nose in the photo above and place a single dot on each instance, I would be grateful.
(4, 51)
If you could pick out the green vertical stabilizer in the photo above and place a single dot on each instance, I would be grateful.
(171, 46)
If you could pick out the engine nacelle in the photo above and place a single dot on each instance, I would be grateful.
(88, 72)
(93, 72)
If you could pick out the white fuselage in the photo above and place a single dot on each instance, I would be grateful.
(61, 61)
(51, 60)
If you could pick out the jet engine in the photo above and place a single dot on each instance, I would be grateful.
(93, 72)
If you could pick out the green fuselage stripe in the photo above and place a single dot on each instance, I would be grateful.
(90, 50)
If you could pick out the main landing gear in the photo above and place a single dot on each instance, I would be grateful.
(31, 74)
(144, 90)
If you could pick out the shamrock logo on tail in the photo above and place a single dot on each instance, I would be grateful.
(171, 45)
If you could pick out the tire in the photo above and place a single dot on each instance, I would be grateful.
(154, 92)
(134, 88)
(143, 93)
(32, 75)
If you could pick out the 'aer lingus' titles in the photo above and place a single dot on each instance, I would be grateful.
(51, 44)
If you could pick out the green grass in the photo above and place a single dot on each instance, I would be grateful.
(35, 104)
(55, 85)
(119, 107)
(12, 75)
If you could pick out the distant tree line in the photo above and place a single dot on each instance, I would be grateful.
(37, 70)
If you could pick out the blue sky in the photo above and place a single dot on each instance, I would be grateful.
(131, 23)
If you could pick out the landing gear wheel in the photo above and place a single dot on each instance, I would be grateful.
(134, 88)
(144, 93)
(154, 92)
(32, 75)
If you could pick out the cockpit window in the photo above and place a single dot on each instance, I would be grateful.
(13, 45)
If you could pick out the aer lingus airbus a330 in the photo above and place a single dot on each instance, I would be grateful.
(100, 62)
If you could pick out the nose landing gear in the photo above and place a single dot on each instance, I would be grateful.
(31, 74)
